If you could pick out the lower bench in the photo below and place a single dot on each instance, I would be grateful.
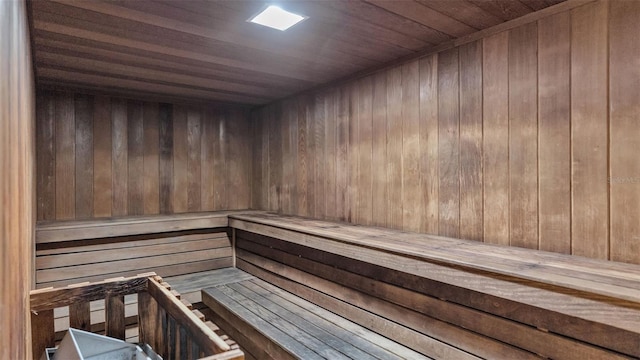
(271, 323)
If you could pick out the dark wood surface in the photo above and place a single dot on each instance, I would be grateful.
(208, 50)
(102, 156)
(547, 291)
(504, 140)
(293, 325)
(17, 179)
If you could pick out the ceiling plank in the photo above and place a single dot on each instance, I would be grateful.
(464, 11)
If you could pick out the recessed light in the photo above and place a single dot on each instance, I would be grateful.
(277, 18)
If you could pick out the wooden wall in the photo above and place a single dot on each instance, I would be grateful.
(100, 156)
(527, 137)
(16, 180)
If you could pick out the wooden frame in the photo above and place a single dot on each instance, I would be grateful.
(165, 322)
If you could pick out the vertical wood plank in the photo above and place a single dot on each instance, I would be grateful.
(80, 316)
(364, 150)
(135, 147)
(394, 147)
(239, 166)
(354, 152)
(65, 157)
(380, 199)
(114, 317)
(180, 160)
(287, 163)
(330, 156)
(46, 156)
(149, 321)
(412, 206)
(495, 129)
(624, 82)
(523, 157)
(429, 142)
(221, 160)
(471, 212)
(275, 156)
(256, 168)
(589, 118)
(102, 157)
(342, 155)
(119, 156)
(165, 182)
(151, 195)
(302, 174)
(554, 146)
(194, 134)
(313, 108)
(207, 156)
(448, 144)
(83, 106)
(293, 157)
(319, 124)
(44, 335)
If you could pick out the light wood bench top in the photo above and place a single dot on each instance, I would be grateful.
(606, 278)
(57, 231)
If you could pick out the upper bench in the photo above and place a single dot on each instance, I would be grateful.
(57, 231)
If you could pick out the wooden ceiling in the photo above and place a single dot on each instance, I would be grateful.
(199, 49)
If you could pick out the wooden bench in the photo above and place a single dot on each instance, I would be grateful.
(178, 247)
(272, 323)
(449, 298)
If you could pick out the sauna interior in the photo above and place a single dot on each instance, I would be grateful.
(385, 179)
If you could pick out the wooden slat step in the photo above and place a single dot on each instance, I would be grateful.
(301, 328)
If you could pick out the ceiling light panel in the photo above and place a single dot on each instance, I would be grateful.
(277, 18)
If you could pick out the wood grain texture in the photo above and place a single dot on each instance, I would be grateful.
(589, 127)
(17, 180)
(125, 157)
(624, 81)
(523, 152)
(449, 143)
(514, 136)
(411, 171)
(554, 134)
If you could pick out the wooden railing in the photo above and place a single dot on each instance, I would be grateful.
(166, 323)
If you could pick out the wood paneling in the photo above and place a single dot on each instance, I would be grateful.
(17, 179)
(207, 50)
(122, 157)
(511, 139)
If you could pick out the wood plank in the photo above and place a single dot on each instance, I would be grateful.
(119, 126)
(102, 157)
(80, 315)
(273, 121)
(330, 145)
(65, 157)
(554, 153)
(303, 158)
(83, 106)
(523, 132)
(623, 139)
(379, 151)
(314, 110)
(194, 171)
(448, 144)
(429, 143)
(135, 158)
(46, 156)
(288, 156)
(256, 166)
(471, 210)
(43, 334)
(240, 167)
(180, 160)
(151, 196)
(149, 321)
(165, 154)
(394, 147)
(115, 317)
(412, 207)
(364, 149)
(207, 155)
(589, 172)
(342, 155)
(495, 132)
(221, 160)
(319, 124)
